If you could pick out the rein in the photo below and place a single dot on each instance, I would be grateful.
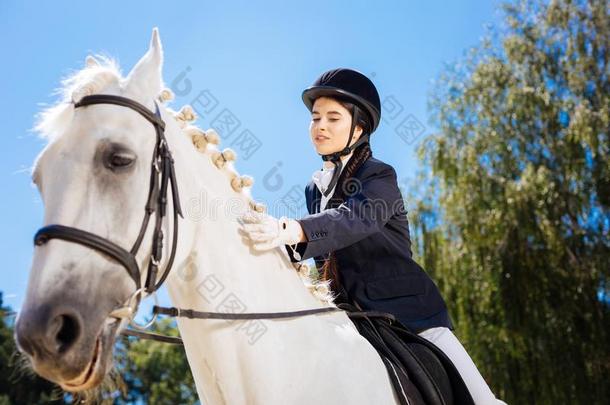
(162, 177)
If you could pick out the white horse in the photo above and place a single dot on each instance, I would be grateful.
(93, 175)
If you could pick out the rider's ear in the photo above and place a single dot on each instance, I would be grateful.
(357, 133)
(145, 82)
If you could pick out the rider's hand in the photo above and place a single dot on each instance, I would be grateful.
(268, 232)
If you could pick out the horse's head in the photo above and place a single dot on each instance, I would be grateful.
(94, 176)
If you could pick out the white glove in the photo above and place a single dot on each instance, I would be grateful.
(268, 232)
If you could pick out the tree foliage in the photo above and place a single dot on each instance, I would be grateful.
(515, 223)
(156, 372)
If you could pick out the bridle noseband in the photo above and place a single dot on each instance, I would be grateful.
(162, 176)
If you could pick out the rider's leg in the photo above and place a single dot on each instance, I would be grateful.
(445, 340)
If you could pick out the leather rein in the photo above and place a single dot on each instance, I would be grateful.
(162, 178)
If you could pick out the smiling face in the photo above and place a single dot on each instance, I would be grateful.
(330, 125)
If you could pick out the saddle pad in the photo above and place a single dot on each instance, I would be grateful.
(418, 369)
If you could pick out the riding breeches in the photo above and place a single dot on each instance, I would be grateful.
(445, 340)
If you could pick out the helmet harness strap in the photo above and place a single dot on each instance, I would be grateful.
(336, 157)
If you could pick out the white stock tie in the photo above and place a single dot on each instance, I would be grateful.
(322, 178)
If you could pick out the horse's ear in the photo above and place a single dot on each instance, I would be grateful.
(144, 82)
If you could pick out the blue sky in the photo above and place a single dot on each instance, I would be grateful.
(252, 58)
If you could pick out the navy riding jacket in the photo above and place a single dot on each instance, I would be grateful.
(369, 233)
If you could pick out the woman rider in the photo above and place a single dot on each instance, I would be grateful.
(357, 231)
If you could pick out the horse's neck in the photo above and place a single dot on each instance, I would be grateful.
(223, 274)
(263, 281)
(257, 361)
(222, 263)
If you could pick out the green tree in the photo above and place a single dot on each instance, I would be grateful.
(515, 223)
(155, 372)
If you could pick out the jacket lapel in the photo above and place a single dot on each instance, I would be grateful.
(317, 199)
(312, 198)
(314, 195)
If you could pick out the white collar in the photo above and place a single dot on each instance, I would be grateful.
(322, 177)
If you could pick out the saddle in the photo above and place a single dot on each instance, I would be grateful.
(420, 372)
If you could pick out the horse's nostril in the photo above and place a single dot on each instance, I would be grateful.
(39, 333)
(67, 331)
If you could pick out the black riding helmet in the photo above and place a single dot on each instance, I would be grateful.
(352, 86)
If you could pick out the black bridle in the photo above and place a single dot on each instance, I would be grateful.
(162, 176)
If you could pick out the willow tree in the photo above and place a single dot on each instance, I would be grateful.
(515, 223)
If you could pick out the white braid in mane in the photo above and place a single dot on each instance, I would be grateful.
(206, 142)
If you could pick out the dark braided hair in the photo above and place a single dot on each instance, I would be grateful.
(344, 188)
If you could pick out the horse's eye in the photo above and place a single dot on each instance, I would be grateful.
(119, 160)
